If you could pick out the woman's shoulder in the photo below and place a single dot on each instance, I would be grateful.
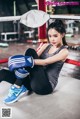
(64, 50)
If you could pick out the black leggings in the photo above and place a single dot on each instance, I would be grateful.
(37, 81)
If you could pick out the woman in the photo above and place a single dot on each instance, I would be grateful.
(48, 61)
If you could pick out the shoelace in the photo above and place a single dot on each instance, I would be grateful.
(11, 92)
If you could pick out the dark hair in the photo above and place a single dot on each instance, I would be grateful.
(59, 26)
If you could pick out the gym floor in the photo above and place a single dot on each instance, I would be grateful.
(62, 104)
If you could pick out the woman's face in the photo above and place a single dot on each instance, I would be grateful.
(55, 38)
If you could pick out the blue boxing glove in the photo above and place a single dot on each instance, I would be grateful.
(21, 73)
(20, 61)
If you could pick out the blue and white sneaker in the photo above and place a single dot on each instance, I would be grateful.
(15, 94)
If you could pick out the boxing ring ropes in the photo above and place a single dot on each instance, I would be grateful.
(36, 18)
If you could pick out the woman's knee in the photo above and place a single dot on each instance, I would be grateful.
(31, 52)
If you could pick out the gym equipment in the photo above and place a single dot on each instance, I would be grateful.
(36, 18)
(20, 61)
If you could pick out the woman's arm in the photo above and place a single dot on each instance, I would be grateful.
(61, 56)
(42, 48)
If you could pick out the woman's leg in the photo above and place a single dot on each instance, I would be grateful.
(37, 82)
(38, 77)
(26, 81)
(6, 75)
(15, 92)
